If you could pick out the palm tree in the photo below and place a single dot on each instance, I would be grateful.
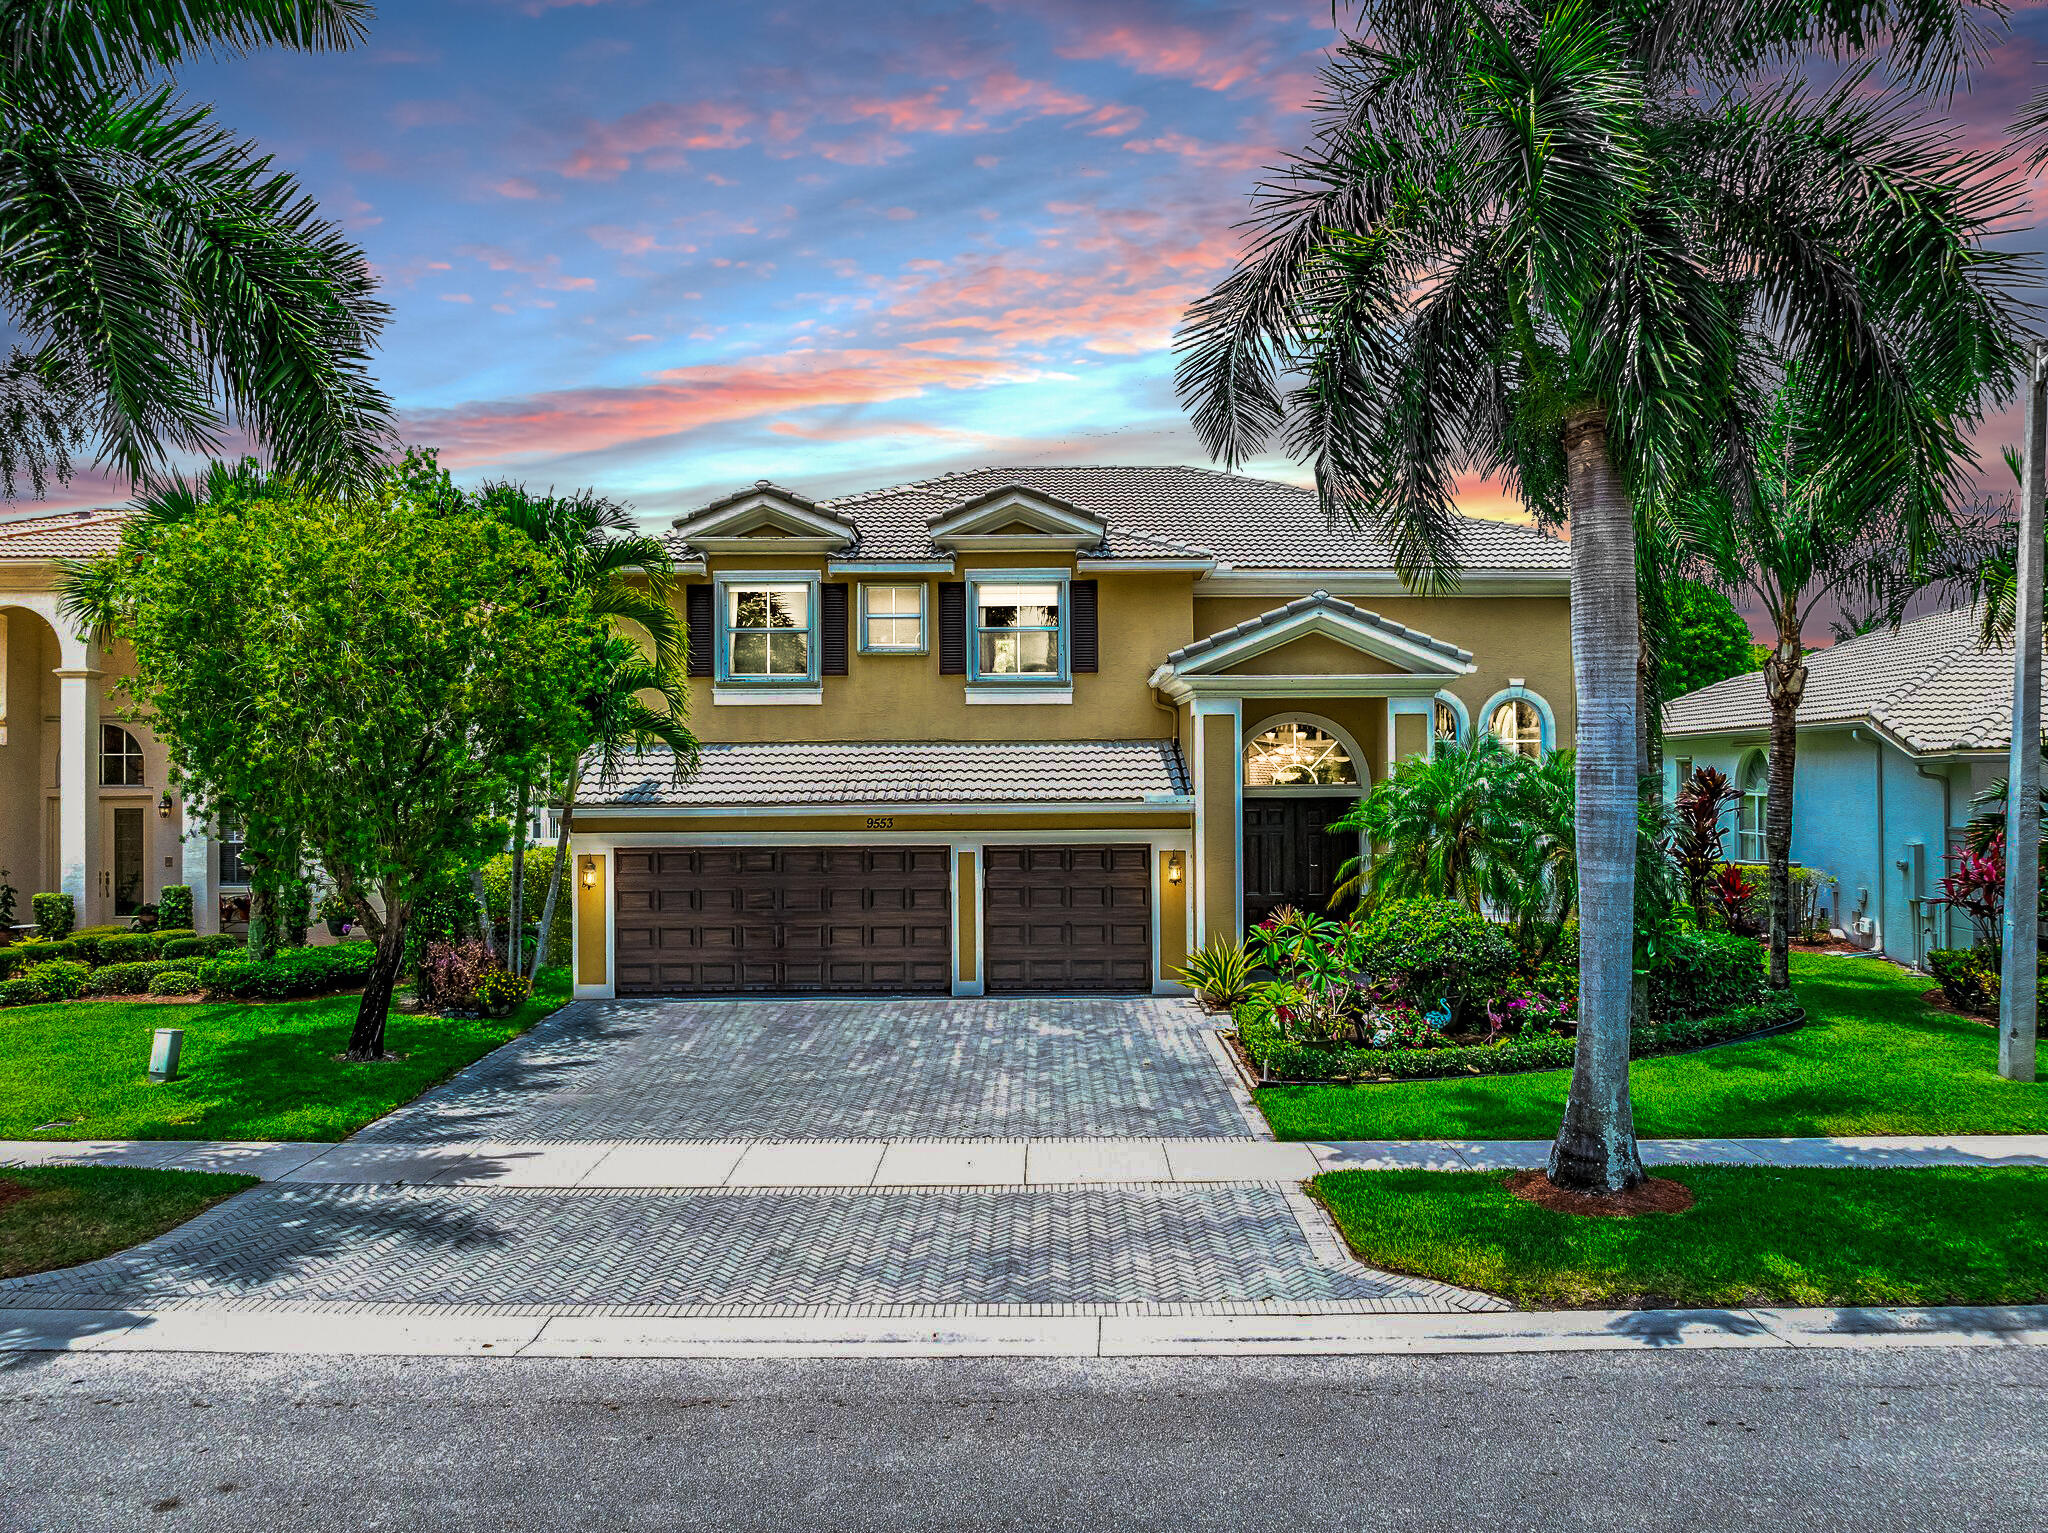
(165, 282)
(630, 580)
(1529, 239)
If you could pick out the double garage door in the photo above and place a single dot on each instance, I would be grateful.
(877, 920)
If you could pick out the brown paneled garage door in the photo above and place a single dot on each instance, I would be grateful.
(783, 920)
(1063, 918)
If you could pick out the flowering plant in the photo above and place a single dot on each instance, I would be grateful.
(1528, 1014)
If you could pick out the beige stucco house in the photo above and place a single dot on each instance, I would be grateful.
(1035, 729)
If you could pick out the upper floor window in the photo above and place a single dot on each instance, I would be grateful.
(892, 618)
(120, 758)
(1517, 725)
(1017, 629)
(768, 632)
(234, 867)
(1298, 756)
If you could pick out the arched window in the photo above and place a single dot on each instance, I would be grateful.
(1754, 810)
(120, 758)
(1297, 755)
(1518, 725)
(1449, 720)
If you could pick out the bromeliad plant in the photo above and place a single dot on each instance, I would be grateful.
(1219, 974)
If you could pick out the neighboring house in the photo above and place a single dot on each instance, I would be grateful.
(1897, 731)
(86, 804)
(1036, 729)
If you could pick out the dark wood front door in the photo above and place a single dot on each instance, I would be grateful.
(784, 920)
(1067, 918)
(1290, 858)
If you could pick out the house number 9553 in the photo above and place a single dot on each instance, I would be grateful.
(881, 822)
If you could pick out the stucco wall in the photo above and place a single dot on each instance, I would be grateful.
(31, 656)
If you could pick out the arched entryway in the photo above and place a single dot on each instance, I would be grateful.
(1301, 771)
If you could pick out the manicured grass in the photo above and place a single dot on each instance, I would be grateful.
(73, 1214)
(1872, 1059)
(1754, 1235)
(258, 1070)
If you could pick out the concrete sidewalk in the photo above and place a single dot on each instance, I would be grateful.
(958, 1162)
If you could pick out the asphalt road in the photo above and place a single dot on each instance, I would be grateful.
(1904, 1439)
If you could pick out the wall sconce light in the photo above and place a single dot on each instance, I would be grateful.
(590, 872)
(163, 806)
(1173, 867)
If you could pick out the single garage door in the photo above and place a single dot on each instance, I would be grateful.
(1063, 918)
(783, 920)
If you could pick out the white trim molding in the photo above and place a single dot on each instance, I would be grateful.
(1546, 720)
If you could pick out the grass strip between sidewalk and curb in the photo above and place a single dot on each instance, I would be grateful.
(1755, 1235)
(1873, 1058)
(59, 1216)
(250, 1070)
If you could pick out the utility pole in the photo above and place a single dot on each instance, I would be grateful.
(2020, 962)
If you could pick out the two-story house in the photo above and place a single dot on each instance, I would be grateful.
(1036, 729)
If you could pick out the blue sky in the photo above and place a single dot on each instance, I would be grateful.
(666, 249)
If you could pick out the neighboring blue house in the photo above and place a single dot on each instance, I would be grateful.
(1897, 731)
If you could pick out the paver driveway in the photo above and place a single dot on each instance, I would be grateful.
(839, 1069)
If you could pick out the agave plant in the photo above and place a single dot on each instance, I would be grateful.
(1219, 974)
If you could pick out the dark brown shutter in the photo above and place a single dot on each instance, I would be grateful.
(700, 628)
(832, 630)
(1082, 643)
(952, 628)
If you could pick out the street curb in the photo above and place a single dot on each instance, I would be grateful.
(419, 1332)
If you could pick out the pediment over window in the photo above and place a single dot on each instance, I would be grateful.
(765, 517)
(1016, 518)
(1318, 639)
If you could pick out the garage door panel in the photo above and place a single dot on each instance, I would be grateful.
(1061, 918)
(783, 919)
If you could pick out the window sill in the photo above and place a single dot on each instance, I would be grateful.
(762, 697)
(982, 693)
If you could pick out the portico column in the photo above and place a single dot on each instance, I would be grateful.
(198, 870)
(78, 798)
(1219, 818)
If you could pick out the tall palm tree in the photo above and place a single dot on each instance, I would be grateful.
(1528, 239)
(165, 282)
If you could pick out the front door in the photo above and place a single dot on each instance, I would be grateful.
(1290, 858)
(124, 872)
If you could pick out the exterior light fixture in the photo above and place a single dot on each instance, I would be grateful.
(163, 806)
(1173, 867)
(590, 872)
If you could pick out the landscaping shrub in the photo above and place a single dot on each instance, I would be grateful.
(173, 980)
(1968, 977)
(293, 972)
(174, 907)
(190, 947)
(129, 947)
(499, 993)
(20, 992)
(34, 951)
(1436, 949)
(540, 866)
(1699, 973)
(58, 979)
(450, 973)
(55, 915)
(127, 978)
(1219, 974)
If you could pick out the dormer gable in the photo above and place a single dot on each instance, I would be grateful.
(1017, 518)
(765, 517)
(1318, 636)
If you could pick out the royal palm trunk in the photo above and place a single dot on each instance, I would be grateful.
(1596, 1143)
(1784, 686)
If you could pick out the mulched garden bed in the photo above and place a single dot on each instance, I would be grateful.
(1934, 1000)
(1656, 1195)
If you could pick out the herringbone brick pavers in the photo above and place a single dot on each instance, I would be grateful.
(839, 1069)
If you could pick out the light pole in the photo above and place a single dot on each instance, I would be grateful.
(2019, 966)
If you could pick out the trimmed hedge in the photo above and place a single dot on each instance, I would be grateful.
(175, 981)
(1968, 977)
(18, 957)
(293, 972)
(191, 948)
(129, 978)
(1288, 1060)
(174, 907)
(57, 979)
(56, 914)
(1434, 949)
(1701, 974)
(132, 947)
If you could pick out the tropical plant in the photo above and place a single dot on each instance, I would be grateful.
(1976, 887)
(1732, 891)
(165, 284)
(1702, 803)
(1219, 974)
(8, 897)
(1530, 238)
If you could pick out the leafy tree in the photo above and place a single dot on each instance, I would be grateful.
(379, 673)
(164, 281)
(1530, 238)
(1707, 640)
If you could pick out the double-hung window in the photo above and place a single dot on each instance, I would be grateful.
(768, 634)
(892, 619)
(1017, 630)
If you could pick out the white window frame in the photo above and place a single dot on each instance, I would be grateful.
(1463, 719)
(1064, 675)
(137, 755)
(752, 580)
(1749, 844)
(923, 644)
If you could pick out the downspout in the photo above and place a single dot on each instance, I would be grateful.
(1882, 876)
(1947, 806)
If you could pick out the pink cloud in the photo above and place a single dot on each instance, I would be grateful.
(671, 128)
(519, 189)
(544, 273)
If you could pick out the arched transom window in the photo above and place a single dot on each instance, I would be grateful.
(120, 758)
(1518, 726)
(1298, 756)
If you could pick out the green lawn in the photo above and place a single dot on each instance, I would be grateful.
(59, 1216)
(1872, 1059)
(263, 1070)
(1754, 1235)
